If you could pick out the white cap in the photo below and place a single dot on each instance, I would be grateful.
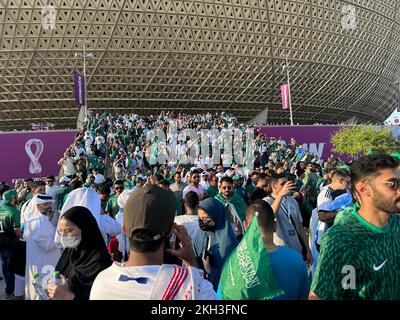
(64, 179)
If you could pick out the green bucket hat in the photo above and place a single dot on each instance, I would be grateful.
(9, 195)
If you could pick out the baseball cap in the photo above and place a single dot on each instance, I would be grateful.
(396, 155)
(344, 167)
(151, 209)
(64, 179)
(236, 178)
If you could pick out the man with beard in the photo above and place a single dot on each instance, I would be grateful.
(41, 251)
(112, 207)
(234, 204)
(51, 190)
(177, 188)
(360, 256)
(195, 186)
(38, 187)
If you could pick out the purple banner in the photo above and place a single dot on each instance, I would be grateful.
(79, 89)
(32, 154)
(316, 139)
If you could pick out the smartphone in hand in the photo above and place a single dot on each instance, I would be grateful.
(172, 241)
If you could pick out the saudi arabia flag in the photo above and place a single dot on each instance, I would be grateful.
(247, 274)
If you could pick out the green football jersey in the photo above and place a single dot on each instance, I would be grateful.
(112, 206)
(359, 260)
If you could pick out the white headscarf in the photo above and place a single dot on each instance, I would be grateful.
(88, 198)
(123, 197)
(85, 197)
(31, 211)
(123, 243)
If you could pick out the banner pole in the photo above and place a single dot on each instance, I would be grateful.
(290, 95)
(84, 76)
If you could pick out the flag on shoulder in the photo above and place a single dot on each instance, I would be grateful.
(248, 274)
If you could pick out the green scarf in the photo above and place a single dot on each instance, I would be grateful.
(248, 274)
(238, 203)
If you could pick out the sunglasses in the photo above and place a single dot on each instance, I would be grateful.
(226, 188)
(394, 184)
(48, 181)
(119, 188)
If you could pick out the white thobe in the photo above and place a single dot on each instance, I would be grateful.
(41, 253)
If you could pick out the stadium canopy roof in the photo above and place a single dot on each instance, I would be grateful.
(199, 55)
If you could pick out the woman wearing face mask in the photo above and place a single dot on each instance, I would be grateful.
(215, 241)
(85, 255)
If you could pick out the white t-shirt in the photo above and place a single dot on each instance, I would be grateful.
(99, 178)
(190, 222)
(324, 201)
(199, 190)
(108, 286)
(68, 167)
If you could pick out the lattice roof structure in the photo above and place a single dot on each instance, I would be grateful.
(199, 55)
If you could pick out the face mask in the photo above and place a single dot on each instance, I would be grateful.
(206, 225)
(70, 242)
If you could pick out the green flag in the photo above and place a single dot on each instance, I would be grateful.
(247, 274)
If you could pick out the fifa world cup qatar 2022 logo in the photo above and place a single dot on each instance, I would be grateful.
(34, 166)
